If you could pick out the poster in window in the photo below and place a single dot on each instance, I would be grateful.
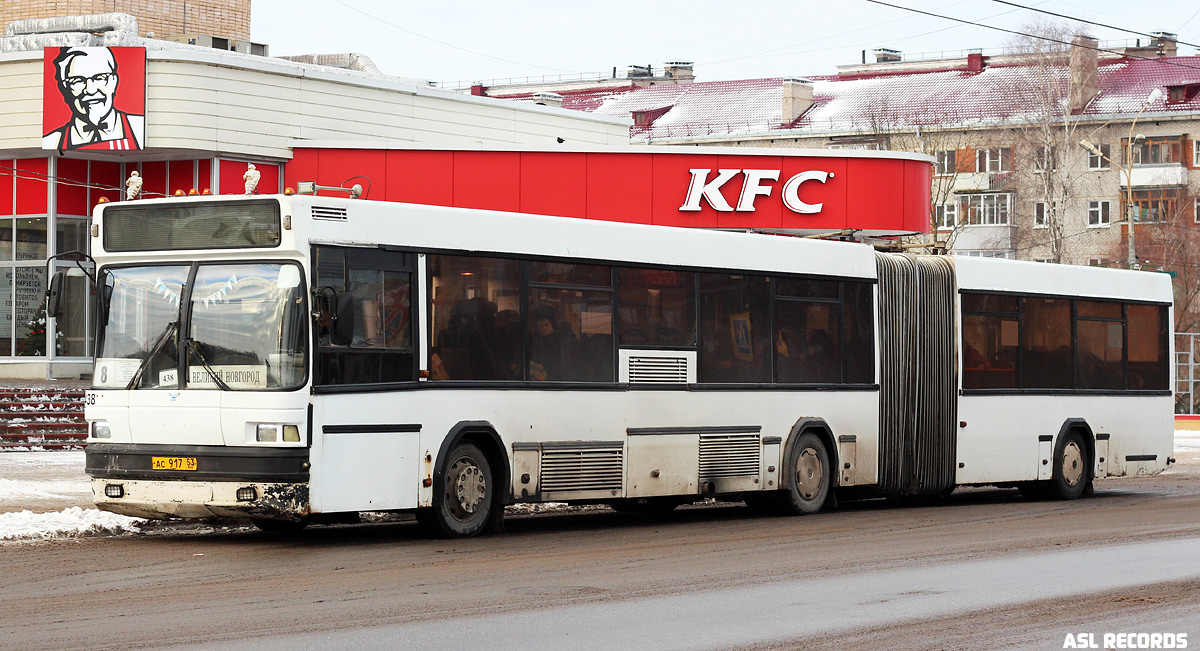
(739, 333)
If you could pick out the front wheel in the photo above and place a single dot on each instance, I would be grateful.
(808, 463)
(1072, 468)
(464, 501)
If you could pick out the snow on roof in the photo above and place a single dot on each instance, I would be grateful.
(864, 103)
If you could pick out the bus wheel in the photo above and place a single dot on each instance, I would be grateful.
(1071, 466)
(809, 483)
(462, 507)
(280, 526)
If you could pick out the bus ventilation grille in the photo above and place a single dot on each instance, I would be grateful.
(658, 370)
(329, 213)
(730, 455)
(582, 469)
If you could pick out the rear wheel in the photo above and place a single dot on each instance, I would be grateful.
(464, 501)
(808, 463)
(1072, 468)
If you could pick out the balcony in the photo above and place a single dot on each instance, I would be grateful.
(1161, 175)
(993, 237)
(982, 181)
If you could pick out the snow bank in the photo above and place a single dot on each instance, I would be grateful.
(72, 522)
(1187, 440)
(11, 491)
(26, 458)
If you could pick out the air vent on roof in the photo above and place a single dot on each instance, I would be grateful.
(329, 212)
(658, 366)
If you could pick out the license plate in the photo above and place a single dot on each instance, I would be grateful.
(173, 463)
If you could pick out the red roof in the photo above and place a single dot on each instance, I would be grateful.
(996, 94)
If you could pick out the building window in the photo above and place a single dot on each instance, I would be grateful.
(1156, 150)
(1043, 211)
(1098, 162)
(1045, 158)
(1195, 154)
(1196, 211)
(1097, 262)
(986, 253)
(945, 163)
(1155, 205)
(1044, 260)
(945, 216)
(997, 159)
(988, 209)
(1099, 214)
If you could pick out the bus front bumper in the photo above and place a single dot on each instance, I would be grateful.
(147, 498)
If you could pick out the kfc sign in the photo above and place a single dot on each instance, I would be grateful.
(94, 98)
(877, 193)
(710, 191)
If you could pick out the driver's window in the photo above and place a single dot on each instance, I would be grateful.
(380, 286)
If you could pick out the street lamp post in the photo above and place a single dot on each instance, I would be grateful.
(1131, 210)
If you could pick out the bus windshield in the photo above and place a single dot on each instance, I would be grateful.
(205, 326)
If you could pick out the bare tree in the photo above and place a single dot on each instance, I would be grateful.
(1056, 83)
(927, 129)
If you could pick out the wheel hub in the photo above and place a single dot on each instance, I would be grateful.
(809, 475)
(470, 488)
(1072, 464)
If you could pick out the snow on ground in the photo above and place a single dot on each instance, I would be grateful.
(25, 457)
(15, 491)
(72, 522)
(44, 494)
(1187, 440)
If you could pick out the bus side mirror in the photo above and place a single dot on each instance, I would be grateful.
(341, 322)
(54, 307)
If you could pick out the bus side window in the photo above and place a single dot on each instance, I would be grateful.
(1046, 353)
(380, 284)
(571, 323)
(735, 337)
(656, 307)
(1148, 334)
(990, 333)
(476, 312)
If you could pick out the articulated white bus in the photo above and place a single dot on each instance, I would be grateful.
(295, 359)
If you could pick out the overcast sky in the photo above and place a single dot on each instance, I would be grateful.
(733, 39)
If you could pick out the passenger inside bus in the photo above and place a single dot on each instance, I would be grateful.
(552, 347)
(465, 348)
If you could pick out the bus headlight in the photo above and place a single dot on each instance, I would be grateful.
(267, 432)
(100, 430)
(272, 432)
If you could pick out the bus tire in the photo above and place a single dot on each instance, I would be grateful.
(1071, 468)
(808, 485)
(464, 501)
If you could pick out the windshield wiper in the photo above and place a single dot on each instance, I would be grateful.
(194, 346)
(167, 332)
